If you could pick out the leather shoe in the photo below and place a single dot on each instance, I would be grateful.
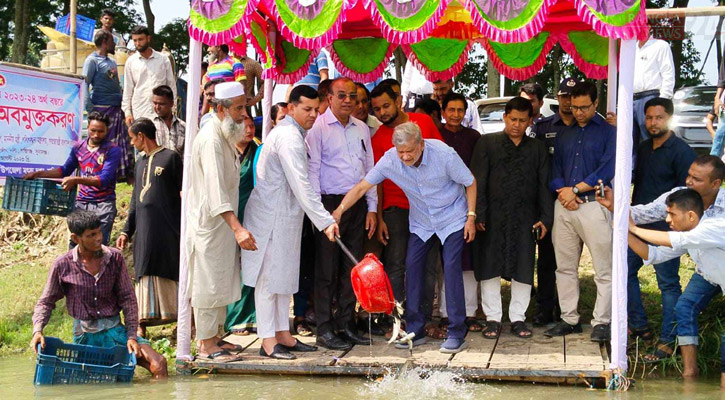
(301, 347)
(280, 353)
(374, 327)
(352, 337)
(562, 328)
(543, 318)
(601, 333)
(330, 341)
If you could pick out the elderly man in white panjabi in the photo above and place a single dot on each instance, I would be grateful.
(213, 230)
(274, 213)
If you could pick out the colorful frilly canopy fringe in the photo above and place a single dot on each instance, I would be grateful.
(436, 35)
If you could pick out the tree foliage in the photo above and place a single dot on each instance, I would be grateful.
(176, 37)
(46, 12)
(472, 81)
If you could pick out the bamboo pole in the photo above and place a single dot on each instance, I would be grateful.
(73, 42)
(685, 12)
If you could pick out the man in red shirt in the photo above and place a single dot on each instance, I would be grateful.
(393, 230)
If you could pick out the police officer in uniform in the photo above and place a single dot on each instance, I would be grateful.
(545, 129)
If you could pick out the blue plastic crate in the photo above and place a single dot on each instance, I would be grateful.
(84, 26)
(63, 363)
(38, 196)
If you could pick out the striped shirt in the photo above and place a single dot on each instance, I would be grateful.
(435, 188)
(230, 69)
(101, 162)
(312, 79)
(87, 297)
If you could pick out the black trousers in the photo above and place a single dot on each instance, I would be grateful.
(546, 299)
(397, 249)
(307, 269)
(332, 267)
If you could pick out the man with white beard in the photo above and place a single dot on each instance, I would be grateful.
(213, 230)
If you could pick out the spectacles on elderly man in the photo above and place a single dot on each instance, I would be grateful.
(343, 95)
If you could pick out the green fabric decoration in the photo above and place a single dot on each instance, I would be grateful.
(620, 19)
(221, 24)
(259, 35)
(527, 14)
(591, 47)
(296, 58)
(349, 51)
(310, 28)
(412, 22)
(439, 54)
(520, 55)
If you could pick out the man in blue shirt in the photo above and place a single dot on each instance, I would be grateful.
(663, 161)
(103, 94)
(584, 156)
(433, 177)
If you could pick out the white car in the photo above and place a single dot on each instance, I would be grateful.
(491, 112)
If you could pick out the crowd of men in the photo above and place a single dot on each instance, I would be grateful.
(451, 212)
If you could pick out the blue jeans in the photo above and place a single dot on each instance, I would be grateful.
(668, 280)
(719, 140)
(693, 301)
(415, 277)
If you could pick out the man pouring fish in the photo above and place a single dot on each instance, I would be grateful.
(442, 195)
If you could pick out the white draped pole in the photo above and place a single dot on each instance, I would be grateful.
(622, 184)
(183, 332)
(268, 94)
(612, 77)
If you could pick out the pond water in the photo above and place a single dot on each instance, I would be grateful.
(16, 377)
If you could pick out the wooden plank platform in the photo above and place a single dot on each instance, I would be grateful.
(565, 360)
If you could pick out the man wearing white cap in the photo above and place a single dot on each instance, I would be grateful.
(213, 230)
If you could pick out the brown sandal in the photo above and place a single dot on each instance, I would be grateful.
(433, 330)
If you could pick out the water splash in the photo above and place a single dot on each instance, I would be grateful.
(418, 383)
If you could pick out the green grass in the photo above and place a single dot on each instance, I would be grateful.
(29, 245)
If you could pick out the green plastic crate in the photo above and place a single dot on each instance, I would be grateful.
(38, 196)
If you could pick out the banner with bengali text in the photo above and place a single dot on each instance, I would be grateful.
(40, 119)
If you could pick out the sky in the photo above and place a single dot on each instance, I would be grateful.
(702, 28)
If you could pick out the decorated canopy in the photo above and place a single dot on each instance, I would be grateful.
(436, 35)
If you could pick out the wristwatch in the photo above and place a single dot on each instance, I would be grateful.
(471, 214)
(575, 190)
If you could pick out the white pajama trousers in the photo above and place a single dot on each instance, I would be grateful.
(208, 321)
(491, 300)
(272, 309)
(470, 293)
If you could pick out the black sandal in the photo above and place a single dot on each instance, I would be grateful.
(646, 334)
(662, 352)
(235, 347)
(520, 329)
(493, 328)
(222, 356)
(473, 325)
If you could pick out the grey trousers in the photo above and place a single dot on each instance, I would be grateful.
(589, 225)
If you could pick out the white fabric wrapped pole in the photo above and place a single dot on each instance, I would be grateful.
(183, 332)
(268, 95)
(612, 77)
(622, 184)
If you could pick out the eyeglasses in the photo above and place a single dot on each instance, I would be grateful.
(582, 108)
(343, 95)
